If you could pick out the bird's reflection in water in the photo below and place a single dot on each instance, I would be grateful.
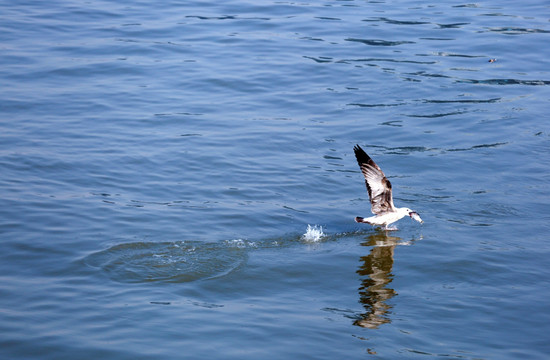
(376, 273)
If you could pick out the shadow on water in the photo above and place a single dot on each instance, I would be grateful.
(376, 272)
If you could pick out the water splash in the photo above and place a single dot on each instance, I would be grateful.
(174, 262)
(240, 243)
(313, 233)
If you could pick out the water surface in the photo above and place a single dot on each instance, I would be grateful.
(160, 165)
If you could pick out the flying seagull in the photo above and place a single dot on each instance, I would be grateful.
(379, 189)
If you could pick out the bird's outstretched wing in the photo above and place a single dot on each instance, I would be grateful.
(378, 186)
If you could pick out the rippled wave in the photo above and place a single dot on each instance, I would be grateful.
(517, 30)
(180, 261)
(377, 42)
(173, 154)
(506, 82)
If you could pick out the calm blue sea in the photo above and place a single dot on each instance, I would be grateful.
(160, 164)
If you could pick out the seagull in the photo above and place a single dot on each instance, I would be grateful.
(379, 189)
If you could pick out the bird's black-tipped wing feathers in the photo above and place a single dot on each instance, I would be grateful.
(378, 186)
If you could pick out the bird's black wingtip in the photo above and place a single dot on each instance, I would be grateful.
(360, 154)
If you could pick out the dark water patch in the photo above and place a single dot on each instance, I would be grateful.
(375, 105)
(397, 22)
(178, 113)
(463, 69)
(464, 101)
(466, 6)
(320, 59)
(410, 79)
(444, 53)
(392, 60)
(458, 355)
(470, 223)
(436, 198)
(206, 305)
(452, 26)
(296, 210)
(395, 123)
(485, 214)
(312, 39)
(327, 18)
(497, 14)
(496, 210)
(226, 17)
(437, 39)
(516, 30)
(438, 115)
(376, 42)
(405, 150)
(426, 74)
(402, 150)
(141, 203)
(505, 82)
(482, 146)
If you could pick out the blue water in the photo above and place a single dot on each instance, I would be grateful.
(160, 164)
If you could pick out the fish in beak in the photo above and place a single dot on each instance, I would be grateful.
(414, 215)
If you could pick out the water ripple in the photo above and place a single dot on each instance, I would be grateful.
(390, 60)
(482, 146)
(375, 105)
(517, 30)
(405, 150)
(398, 22)
(375, 42)
(437, 115)
(505, 82)
(174, 262)
(452, 26)
(462, 101)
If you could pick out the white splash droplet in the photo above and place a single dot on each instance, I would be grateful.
(313, 233)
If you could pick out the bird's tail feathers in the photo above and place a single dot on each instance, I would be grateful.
(360, 219)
